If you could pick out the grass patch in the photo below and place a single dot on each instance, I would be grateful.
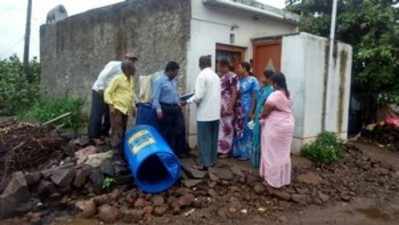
(47, 108)
(327, 148)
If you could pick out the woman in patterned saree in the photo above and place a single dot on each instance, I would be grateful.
(231, 115)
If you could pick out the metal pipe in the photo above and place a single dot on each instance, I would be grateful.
(330, 79)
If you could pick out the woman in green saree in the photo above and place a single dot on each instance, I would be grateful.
(261, 97)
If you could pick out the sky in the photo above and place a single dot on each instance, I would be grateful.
(13, 18)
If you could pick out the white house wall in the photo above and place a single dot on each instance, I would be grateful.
(211, 25)
(293, 66)
(304, 62)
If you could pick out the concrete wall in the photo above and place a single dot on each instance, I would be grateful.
(305, 63)
(74, 51)
(211, 25)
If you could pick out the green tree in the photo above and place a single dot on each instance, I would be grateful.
(372, 28)
(16, 93)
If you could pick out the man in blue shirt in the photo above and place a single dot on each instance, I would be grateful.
(166, 102)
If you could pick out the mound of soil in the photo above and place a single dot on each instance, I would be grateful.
(27, 147)
(383, 135)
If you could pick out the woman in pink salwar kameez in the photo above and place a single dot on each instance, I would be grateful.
(277, 134)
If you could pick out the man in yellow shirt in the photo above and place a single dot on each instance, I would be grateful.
(119, 95)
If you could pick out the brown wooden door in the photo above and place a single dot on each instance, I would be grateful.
(267, 55)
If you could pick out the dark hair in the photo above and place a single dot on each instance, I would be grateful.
(128, 66)
(280, 82)
(205, 61)
(224, 62)
(172, 66)
(246, 66)
(268, 74)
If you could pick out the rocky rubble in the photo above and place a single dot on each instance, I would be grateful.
(37, 164)
(229, 190)
(27, 147)
(385, 136)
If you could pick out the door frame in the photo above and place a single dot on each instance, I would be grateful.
(230, 48)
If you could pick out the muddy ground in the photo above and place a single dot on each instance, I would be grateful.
(362, 189)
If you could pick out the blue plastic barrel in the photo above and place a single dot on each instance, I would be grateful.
(146, 115)
(154, 165)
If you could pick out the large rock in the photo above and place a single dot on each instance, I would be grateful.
(187, 165)
(282, 195)
(46, 188)
(160, 210)
(300, 199)
(16, 197)
(157, 200)
(189, 183)
(62, 177)
(107, 168)
(222, 173)
(82, 141)
(259, 188)
(81, 177)
(133, 215)
(186, 200)
(309, 178)
(87, 208)
(102, 199)
(97, 179)
(95, 160)
(108, 214)
(141, 203)
(84, 153)
(323, 197)
(33, 178)
(237, 171)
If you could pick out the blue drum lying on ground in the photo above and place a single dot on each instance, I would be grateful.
(146, 115)
(153, 164)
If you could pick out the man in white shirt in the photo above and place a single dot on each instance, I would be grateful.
(99, 123)
(208, 100)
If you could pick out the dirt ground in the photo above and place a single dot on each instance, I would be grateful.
(361, 211)
(373, 200)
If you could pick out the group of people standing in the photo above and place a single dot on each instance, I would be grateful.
(257, 122)
(238, 114)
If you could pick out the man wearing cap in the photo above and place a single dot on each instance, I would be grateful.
(99, 124)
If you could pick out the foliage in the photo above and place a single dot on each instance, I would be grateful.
(372, 28)
(325, 150)
(108, 183)
(16, 93)
(45, 109)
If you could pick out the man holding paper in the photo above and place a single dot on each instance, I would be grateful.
(167, 103)
(208, 100)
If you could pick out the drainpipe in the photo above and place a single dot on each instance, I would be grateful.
(330, 79)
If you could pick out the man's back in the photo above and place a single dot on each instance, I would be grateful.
(208, 86)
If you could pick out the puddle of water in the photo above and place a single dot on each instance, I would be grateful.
(374, 213)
